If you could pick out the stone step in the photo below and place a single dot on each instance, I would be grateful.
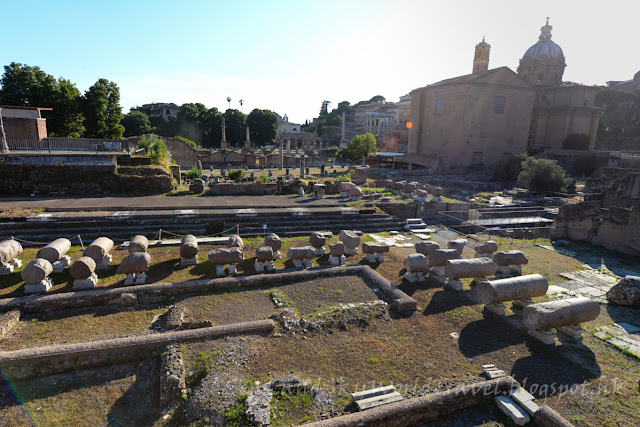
(512, 410)
(384, 399)
(360, 395)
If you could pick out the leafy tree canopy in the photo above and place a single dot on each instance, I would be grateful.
(360, 147)
(378, 98)
(263, 126)
(102, 111)
(136, 124)
(543, 175)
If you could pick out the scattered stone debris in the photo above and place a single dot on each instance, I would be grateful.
(626, 292)
(175, 317)
(172, 379)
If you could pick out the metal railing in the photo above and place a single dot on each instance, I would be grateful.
(68, 144)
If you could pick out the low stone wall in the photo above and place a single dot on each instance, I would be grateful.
(579, 221)
(424, 409)
(426, 211)
(242, 188)
(46, 360)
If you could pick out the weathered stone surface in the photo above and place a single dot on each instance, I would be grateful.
(398, 186)
(457, 244)
(486, 247)
(388, 183)
(409, 187)
(9, 249)
(504, 258)
(36, 271)
(626, 292)
(416, 263)
(55, 250)
(426, 248)
(336, 249)
(547, 417)
(317, 239)
(223, 256)
(196, 186)
(99, 248)
(258, 405)
(349, 238)
(274, 241)
(512, 288)
(374, 247)
(7, 321)
(346, 186)
(355, 192)
(172, 375)
(436, 191)
(304, 252)
(264, 253)
(189, 246)
(235, 241)
(83, 268)
(465, 268)
(439, 257)
(421, 193)
(555, 314)
(139, 243)
(135, 263)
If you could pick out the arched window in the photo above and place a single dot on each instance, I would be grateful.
(295, 130)
(498, 105)
(439, 107)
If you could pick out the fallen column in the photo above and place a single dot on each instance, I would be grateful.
(438, 259)
(138, 244)
(189, 250)
(510, 262)
(9, 250)
(457, 244)
(416, 266)
(98, 251)
(222, 256)
(486, 249)
(36, 276)
(409, 188)
(351, 241)
(235, 241)
(55, 252)
(437, 194)
(476, 268)
(317, 240)
(519, 289)
(355, 193)
(426, 249)
(344, 187)
(83, 271)
(336, 251)
(302, 257)
(276, 244)
(374, 251)
(135, 266)
(398, 186)
(264, 255)
(421, 195)
(565, 315)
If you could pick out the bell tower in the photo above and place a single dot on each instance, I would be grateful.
(481, 58)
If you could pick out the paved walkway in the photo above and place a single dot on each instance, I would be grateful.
(170, 202)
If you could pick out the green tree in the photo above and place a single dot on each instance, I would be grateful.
(543, 175)
(507, 168)
(66, 118)
(263, 126)
(360, 147)
(102, 111)
(378, 98)
(324, 108)
(235, 123)
(136, 124)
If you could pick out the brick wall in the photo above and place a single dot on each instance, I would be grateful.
(25, 128)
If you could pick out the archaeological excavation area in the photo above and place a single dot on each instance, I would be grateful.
(342, 328)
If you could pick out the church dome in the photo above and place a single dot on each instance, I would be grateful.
(543, 63)
(545, 46)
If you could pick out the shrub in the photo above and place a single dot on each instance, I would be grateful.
(155, 148)
(576, 141)
(263, 176)
(507, 168)
(543, 175)
(189, 142)
(194, 173)
(236, 174)
(345, 178)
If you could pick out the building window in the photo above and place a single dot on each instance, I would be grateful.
(439, 107)
(498, 105)
(540, 77)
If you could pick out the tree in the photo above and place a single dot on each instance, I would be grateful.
(66, 118)
(360, 147)
(543, 175)
(378, 98)
(102, 111)
(235, 124)
(324, 108)
(263, 126)
(136, 124)
(507, 168)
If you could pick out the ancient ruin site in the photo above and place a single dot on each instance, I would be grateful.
(428, 217)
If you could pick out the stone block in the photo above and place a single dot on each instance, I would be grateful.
(86, 283)
(270, 266)
(16, 263)
(321, 251)
(498, 309)
(547, 337)
(350, 251)
(103, 264)
(456, 285)
(35, 288)
(140, 278)
(58, 267)
(188, 261)
(574, 331)
(220, 270)
(380, 256)
(259, 266)
(129, 279)
(6, 269)
(414, 277)
(512, 410)
(232, 269)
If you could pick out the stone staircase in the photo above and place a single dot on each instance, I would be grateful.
(122, 225)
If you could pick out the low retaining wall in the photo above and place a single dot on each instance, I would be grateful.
(425, 408)
(36, 304)
(45, 360)
(238, 188)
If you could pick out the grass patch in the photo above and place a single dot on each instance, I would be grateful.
(291, 408)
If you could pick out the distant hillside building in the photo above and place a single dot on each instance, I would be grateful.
(626, 85)
(24, 122)
(162, 109)
(287, 127)
(475, 119)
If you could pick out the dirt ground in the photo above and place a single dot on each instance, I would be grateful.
(590, 383)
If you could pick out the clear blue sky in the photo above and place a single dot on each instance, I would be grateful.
(289, 56)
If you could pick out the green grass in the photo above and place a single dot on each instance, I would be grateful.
(291, 409)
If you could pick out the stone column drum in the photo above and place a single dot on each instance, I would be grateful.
(302, 257)
(189, 250)
(519, 289)
(565, 315)
(426, 248)
(9, 251)
(486, 249)
(36, 276)
(83, 270)
(264, 255)
(139, 243)
(336, 256)
(351, 241)
(438, 259)
(135, 266)
(457, 244)
(222, 256)
(56, 253)
(276, 244)
(374, 251)
(416, 266)
(317, 240)
(510, 262)
(98, 251)
(476, 268)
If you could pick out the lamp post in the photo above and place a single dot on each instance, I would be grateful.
(4, 147)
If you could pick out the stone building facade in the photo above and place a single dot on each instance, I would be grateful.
(475, 119)
(24, 122)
